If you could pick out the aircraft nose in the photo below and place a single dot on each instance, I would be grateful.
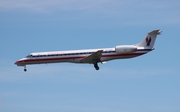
(19, 62)
(16, 63)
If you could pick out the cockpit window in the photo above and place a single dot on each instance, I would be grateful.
(29, 56)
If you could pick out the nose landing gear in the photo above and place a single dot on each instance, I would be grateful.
(25, 68)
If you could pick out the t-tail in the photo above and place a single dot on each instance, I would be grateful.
(150, 39)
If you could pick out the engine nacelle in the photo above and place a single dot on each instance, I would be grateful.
(125, 49)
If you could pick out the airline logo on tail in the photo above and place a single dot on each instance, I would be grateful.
(148, 41)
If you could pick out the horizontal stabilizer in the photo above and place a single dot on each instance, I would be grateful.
(155, 32)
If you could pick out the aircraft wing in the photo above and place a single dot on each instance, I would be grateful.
(93, 58)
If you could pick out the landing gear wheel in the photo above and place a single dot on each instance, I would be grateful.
(25, 68)
(96, 66)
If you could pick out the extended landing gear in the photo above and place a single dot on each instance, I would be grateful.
(25, 68)
(96, 66)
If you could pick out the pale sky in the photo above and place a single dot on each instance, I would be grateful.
(147, 83)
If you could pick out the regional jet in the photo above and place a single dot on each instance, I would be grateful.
(92, 56)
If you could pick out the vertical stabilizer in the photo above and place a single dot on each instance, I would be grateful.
(150, 39)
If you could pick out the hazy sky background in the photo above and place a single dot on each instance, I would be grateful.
(143, 84)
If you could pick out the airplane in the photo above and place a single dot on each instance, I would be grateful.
(92, 56)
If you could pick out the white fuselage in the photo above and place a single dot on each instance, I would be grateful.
(74, 56)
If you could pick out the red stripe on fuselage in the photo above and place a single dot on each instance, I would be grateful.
(52, 60)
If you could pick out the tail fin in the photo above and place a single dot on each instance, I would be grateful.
(150, 39)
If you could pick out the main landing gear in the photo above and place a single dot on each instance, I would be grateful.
(25, 68)
(96, 66)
